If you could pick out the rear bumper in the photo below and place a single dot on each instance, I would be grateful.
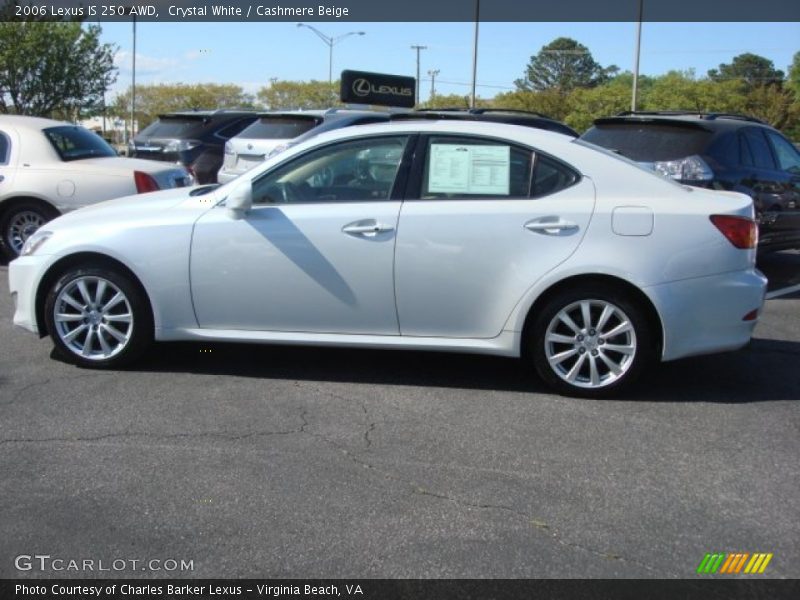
(706, 314)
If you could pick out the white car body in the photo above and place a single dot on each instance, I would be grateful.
(453, 274)
(34, 172)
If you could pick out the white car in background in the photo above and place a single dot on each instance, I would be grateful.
(428, 235)
(48, 168)
(273, 132)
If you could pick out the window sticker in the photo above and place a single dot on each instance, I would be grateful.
(465, 169)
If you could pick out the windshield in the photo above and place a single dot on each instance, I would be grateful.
(649, 142)
(279, 128)
(73, 143)
(173, 127)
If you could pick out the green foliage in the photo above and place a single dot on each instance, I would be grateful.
(453, 101)
(47, 67)
(153, 100)
(296, 95)
(547, 102)
(563, 65)
(681, 91)
(751, 70)
(794, 76)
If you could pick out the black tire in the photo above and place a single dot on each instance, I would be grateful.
(103, 327)
(582, 365)
(12, 236)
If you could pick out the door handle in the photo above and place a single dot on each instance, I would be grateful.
(551, 226)
(366, 227)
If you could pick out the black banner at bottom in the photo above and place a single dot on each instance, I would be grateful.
(400, 589)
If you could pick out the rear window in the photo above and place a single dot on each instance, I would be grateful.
(174, 127)
(74, 143)
(648, 142)
(279, 128)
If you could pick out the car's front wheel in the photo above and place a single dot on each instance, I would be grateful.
(98, 317)
(591, 341)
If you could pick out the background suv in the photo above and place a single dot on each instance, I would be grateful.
(718, 151)
(273, 132)
(195, 139)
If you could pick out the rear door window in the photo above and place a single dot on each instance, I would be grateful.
(787, 155)
(5, 148)
(760, 154)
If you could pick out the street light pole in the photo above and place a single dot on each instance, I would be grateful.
(418, 48)
(635, 92)
(475, 52)
(133, 80)
(331, 41)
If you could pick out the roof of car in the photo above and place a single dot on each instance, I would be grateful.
(32, 122)
(705, 120)
(208, 113)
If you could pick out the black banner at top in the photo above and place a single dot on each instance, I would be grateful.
(403, 11)
(360, 87)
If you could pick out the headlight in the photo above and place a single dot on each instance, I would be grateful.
(33, 243)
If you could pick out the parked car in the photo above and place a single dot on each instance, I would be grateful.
(273, 132)
(491, 115)
(195, 139)
(50, 167)
(427, 235)
(717, 151)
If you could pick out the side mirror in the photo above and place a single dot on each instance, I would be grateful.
(240, 200)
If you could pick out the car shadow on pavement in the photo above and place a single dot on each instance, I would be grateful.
(766, 370)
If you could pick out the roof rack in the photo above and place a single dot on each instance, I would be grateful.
(710, 116)
(481, 111)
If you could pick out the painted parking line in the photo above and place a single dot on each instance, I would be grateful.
(783, 292)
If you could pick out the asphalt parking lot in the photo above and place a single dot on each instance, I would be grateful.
(289, 462)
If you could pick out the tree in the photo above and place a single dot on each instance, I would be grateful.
(453, 101)
(751, 70)
(564, 65)
(679, 90)
(153, 100)
(299, 95)
(794, 76)
(53, 66)
(548, 102)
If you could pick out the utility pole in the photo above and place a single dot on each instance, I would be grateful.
(636, 59)
(133, 82)
(418, 48)
(433, 73)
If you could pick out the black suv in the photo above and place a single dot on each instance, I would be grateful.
(718, 151)
(195, 139)
(492, 115)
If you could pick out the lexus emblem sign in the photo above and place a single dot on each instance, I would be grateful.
(377, 88)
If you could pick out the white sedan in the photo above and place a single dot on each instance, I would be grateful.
(50, 167)
(452, 236)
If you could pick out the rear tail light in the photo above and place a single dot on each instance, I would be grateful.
(691, 168)
(144, 182)
(740, 231)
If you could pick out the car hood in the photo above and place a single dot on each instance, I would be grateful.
(128, 208)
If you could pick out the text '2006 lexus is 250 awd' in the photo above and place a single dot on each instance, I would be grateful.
(426, 235)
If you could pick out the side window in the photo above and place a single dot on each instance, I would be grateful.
(461, 167)
(746, 153)
(359, 170)
(788, 156)
(5, 148)
(551, 176)
(761, 154)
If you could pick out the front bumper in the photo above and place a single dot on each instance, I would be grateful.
(706, 314)
(24, 275)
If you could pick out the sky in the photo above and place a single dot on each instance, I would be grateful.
(250, 54)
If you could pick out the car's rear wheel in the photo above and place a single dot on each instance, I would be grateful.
(591, 341)
(98, 317)
(19, 222)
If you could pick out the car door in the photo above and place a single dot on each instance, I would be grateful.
(484, 220)
(316, 251)
(6, 171)
(775, 188)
